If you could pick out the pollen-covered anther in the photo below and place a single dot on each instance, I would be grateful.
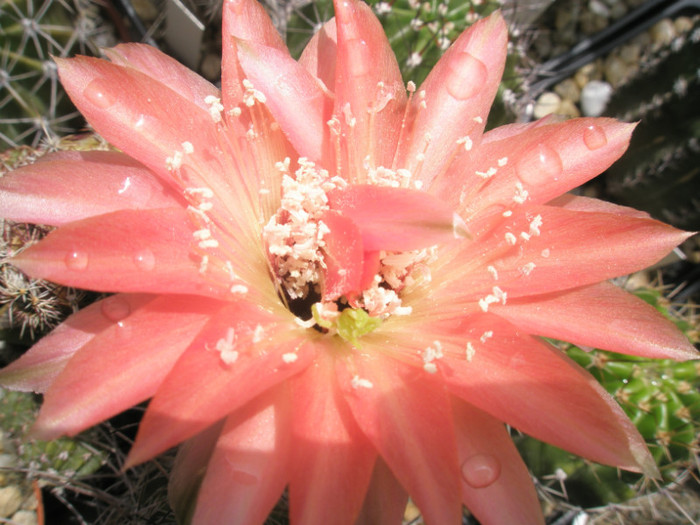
(535, 225)
(486, 336)
(215, 107)
(521, 193)
(358, 382)
(226, 347)
(470, 351)
(430, 355)
(496, 296)
(494, 273)
(294, 236)
(350, 119)
(289, 357)
(511, 238)
(465, 141)
(175, 162)
(502, 162)
(208, 244)
(252, 95)
(527, 269)
(487, 174)
(240, 289)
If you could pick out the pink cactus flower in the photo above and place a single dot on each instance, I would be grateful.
(330, 281)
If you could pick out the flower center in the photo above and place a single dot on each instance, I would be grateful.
(296, 241)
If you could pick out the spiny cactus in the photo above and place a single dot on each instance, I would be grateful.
(660, 173)
(30, 307)
(32, 103)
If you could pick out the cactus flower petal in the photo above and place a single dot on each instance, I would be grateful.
(600, 316)
(69, 186)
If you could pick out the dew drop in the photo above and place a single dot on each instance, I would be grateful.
(145, 260)
(76, 260)
(594, 137)
(540, 165)
(467, 76)
(359, 57)
(98, 93)
(115, 308)
(481, 470)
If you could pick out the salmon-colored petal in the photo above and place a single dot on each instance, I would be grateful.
(454, 101)
(395, 403)
(124, 251)
(164, 69)
(394, 219)
(343, 256)
(546, 161)
(319, 55)
(496, 485)
(538, 390)
(242, 20)
(369, 92)
(332, 460)
(242, 352)
(134, 112)
(189, 469)
(250, 465)
(43, 362)
(386, 499)
(579, 203)
(293, 96)
(548, 249)
(115, 361)
(69, 186)
(600, 316)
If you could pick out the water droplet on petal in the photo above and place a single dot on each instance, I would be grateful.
(539, 165)
(98, 93)
(467, 76)
(145, 260)
(76, 260)
(594, 137)
(115, 308)
(481, 470)
(359, 57)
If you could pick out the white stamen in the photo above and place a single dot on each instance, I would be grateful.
(359, 382)
(502, 161)
(225, 347)
(511, 239)
(470, 352)
(258, 334)
(208, 243)
(215, 107)
(486, 336)
(527, 269)
(520, 193)
(289, 357)
(492, 270)
(239, 289)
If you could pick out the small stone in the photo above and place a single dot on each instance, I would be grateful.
(631, 53)
(10, 501)
(145, 9)
(599, 8)
(587, 73)
(618, 10)
(592, 23)
(24, 517)
(595, 97)
(568, 90)
(683, 24)
(568, 109)
(615, 70)
(662, 33)
(547, 103)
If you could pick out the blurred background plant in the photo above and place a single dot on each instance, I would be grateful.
(630, 59)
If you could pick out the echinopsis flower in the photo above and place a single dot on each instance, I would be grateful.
(329, 281)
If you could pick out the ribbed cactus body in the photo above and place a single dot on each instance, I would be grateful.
(33, 105)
